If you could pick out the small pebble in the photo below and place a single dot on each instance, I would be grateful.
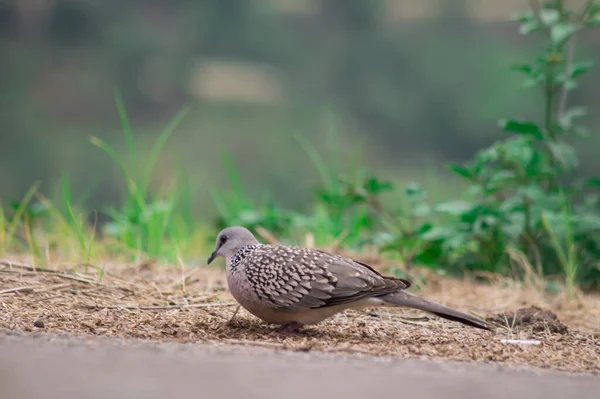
(39, 323)
(521, 341)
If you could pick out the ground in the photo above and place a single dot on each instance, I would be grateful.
(42, 365)
(174, 304)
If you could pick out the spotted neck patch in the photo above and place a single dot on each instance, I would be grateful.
(240, 254)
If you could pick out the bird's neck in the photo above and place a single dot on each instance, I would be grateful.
(234, 260)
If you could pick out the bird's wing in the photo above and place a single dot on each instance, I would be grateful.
(293, 278)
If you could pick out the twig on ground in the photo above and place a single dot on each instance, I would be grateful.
(254, 343)
(28, 288)
(349, 349)
(62, 275)
(86, 281)
(168, 307)
(54, 287)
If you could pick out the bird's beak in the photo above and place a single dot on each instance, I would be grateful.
(212, 257)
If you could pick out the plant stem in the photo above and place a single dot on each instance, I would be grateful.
(562, 102)
(528, 234)
(549, 94)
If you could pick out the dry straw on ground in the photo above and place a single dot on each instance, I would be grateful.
(193, 304)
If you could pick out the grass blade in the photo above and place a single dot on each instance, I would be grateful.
(2, 231)
(132, 187)
(125, 125)
(65, 191)
(159, 144)
(316, 159)
(18, 215)
(232, 173)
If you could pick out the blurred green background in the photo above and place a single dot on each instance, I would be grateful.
(413, 84)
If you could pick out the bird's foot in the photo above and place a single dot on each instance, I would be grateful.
(290, 328)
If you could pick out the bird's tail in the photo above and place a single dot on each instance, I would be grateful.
(406, 299)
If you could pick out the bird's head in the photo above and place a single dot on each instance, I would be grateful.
(230, 240)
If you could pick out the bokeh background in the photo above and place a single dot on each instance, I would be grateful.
(411, 84)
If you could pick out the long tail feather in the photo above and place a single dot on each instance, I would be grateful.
(406, 299)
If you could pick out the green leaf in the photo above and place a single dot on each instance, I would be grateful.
(126, 126)
(579, 68)
(588, 222)
(525, 68)
(483, 223)
(38, 209)
(520, 149)
(533, 81)
(571, 115)
(486, 156)
(592, 182)
(455, 241)
(529, 26)
(438, 233)
(532, 191)
(571, 84)
(522, 16)
(551, 286)
(414, 191)
(375, 186)
(549, 16)
(516, 225)
(562, 31)
(594, 15)
(522, 128)
(582, 131)
(460, 170)
(157, 146)
(500, 179)
(456, 207)
(565, 154)
(421, 210)
(429, 256)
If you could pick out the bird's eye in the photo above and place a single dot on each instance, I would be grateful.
(223, 240)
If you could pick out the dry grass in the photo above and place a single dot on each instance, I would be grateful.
(172, 303)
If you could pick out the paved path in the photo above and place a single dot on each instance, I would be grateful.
(44, 366)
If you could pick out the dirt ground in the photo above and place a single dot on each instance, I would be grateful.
(193, 305)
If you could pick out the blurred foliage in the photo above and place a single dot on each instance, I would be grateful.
(413, 86)
(518, 196)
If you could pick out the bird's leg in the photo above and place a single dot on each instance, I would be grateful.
(290, 328)
(234, 313)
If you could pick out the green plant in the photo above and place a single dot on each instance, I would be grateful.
(144, 222)
(236, 208)
(345, 210)
(76, 221)
(519, 186)
(22, 214)
(567, 257)
(347, 206)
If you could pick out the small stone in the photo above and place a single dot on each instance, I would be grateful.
(39, 323)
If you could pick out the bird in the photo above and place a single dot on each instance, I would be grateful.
(294, 286)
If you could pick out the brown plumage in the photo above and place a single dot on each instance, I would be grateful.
(295, 286)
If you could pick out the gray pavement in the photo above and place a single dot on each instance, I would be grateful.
(48, 366)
